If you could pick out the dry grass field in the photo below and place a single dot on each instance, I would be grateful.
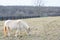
(44, 28)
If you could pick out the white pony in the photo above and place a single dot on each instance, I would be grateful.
(17, 25)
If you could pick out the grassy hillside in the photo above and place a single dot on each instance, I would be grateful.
(46, 28)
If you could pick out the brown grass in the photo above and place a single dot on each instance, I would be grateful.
(46, 28)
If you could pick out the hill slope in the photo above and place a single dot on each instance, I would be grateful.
(44, 28)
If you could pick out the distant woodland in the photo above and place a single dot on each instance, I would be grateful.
(15, 12)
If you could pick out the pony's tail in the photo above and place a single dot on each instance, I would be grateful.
(5, 31)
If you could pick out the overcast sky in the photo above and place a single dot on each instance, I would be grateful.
(16, 2)
(29, 2)
(52, 2)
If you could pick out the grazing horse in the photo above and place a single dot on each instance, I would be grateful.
(17, 25)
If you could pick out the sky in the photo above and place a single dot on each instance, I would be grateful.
(29, 2)
(52, 2)
(16, 2)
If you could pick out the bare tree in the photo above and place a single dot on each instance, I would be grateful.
(39, 2)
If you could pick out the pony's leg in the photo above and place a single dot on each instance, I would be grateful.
(8, 31)
(28, 31)
(16, 34)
